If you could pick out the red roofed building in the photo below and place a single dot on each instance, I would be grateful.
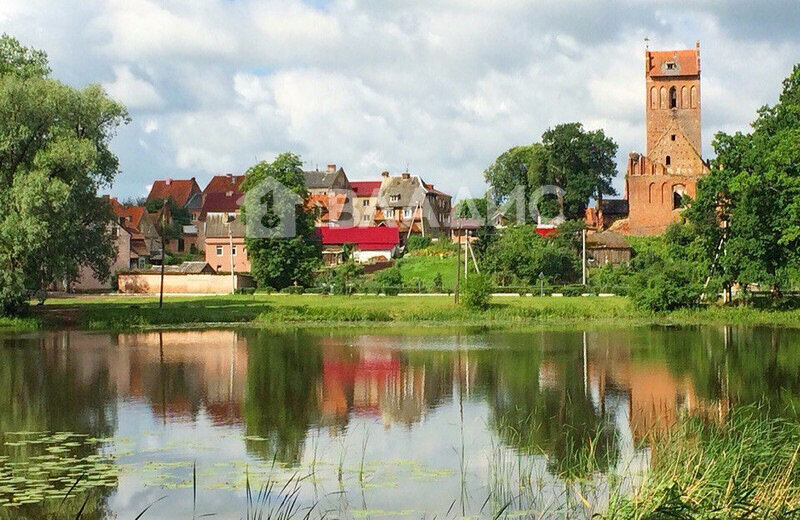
(371, 244)
(365, 197)
(224, 184)
(185, 193)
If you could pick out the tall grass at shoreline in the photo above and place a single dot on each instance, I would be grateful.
(744, 467)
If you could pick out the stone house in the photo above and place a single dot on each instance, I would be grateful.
(224, 241)
(407, 202)
(330, 196)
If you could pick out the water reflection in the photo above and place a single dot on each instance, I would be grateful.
(405, 411)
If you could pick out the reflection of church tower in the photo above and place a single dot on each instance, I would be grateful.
(656, 182)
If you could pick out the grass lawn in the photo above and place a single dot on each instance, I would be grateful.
(121, 312)
(426, 267)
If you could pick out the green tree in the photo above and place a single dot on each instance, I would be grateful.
(477, 292)
(520, 167)
(520, 254)
(281, 261)
(54, 157)
(468, 208)
(580, 162)
(750, 200)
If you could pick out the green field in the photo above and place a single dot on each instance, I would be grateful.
(260, 310)
(425, 269)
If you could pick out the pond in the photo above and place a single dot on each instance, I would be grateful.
(377, 425)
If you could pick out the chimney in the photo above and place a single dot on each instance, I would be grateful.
(230, 177)
(385, 174)
(331, 168)
(406, 175)
(229, 194)
(168, 182)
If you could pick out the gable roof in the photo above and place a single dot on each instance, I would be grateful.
(402, 191)
(365, 188)
(687, 63)
(372, 238)
(607, 240)
(180, 190)
(225, 202)
(317, 179)
(217, 226)
(224, 183)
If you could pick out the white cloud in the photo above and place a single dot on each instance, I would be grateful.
(132, 91)
(445, 87)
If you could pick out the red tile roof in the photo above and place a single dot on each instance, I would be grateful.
(365, 188)
(373, 238)
(222, 203)
(546, 231)
(687, 61)
(224, 183)
(180, 190)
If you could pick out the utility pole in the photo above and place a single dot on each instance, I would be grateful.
(163, 260)
(583, 262)
(458, 263)
(230, 244)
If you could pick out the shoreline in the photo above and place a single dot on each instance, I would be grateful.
(123, 313)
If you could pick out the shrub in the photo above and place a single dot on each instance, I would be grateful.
(390, 280)
(12, 293)
(665, 287)
(573, 290)
(246, 290)
(438, 284)
(611, 279)
(477, 292)
(418, 242)
(293, 289)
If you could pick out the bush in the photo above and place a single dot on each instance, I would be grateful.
(390, 280)
(477, 292)
(246, 290)
(438, 284)
(418, 242)
(12, 293)
(573, 290)
(611, 279)
(293, 289)
(666, 287)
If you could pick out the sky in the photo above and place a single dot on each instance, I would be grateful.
(438, 87)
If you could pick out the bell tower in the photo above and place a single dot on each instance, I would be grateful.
(657, 181)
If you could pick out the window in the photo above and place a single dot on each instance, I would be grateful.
(668, 160)
(181, 245)
(365, 203)
(394, 198)
(673, 98)
(365, 218)
(219, 250)
(219, 268)
(671, 65)
(672, 137)
(678, 192)
(408, 212)
(233, 250)
(390, 213)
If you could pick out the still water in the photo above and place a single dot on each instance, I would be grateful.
(357, 425)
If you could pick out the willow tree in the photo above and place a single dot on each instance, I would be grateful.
(54, 157)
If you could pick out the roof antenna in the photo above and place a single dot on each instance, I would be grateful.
(646, 43)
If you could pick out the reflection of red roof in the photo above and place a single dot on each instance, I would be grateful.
(180, 191)
(224, 183)
(373, 238)
(225, 202)
(365, 188)
(687, 63)
(546, 231)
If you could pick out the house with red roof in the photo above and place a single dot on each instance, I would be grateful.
(366, 244)
(185, 193)
(365, 198)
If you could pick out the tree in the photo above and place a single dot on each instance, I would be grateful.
(520, 254)
(54, 157)
(282, 261)
(516, 172)
(581, 163)
(471, 208)
(750, 200)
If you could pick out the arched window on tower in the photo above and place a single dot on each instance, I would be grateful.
(668, 160)
(673, 98)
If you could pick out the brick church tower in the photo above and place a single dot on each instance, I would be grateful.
(655, 182)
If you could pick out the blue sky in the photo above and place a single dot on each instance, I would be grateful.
(442, 86)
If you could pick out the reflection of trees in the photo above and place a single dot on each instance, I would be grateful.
(281, 401)
(45, 386)
(539, 403)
